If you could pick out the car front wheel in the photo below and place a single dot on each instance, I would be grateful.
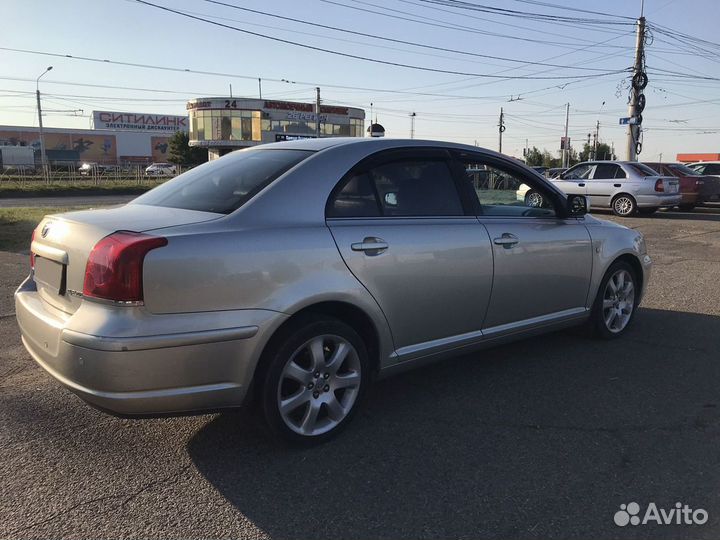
(616, 301)
(317, 374)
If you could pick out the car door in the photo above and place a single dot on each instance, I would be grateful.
(542, 261)
(402, 229)
(574, 180)
(606, 180)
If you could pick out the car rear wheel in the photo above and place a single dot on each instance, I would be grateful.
(616, 301)
(624, 205)
(317, 375)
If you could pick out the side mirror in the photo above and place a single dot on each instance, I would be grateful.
(577, 205)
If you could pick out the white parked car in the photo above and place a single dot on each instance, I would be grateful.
(161, 169)
(711, 168)
(625, 187)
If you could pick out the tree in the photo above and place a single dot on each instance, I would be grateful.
(181, 153)
(603, 152)
(534, 158)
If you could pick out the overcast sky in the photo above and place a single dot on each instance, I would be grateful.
(682, 113)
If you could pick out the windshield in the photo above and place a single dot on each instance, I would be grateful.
(683, 170)
(224, 185)
(643, 169)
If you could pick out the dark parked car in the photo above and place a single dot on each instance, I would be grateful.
(695, 188)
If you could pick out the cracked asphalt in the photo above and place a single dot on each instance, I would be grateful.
(544, 438)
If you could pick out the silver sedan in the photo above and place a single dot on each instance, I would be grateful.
(291, 275)
(625, 187)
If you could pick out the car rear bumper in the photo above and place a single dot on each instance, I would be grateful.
(658, 200)
(155, 373)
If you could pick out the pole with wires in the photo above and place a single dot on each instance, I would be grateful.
(637, 98)
(317, 111)
(501, 129)
(566, 141)
(412, 125)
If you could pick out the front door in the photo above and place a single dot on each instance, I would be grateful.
(402, 230)
(542, 262)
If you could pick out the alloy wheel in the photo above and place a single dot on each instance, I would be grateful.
(618, 301)
(623, 206)
(319, 385)
(534, 199)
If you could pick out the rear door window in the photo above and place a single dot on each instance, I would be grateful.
(412, 187)
(608, 171)
(223, 186)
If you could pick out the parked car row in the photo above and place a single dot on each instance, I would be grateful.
(154, 169)
(628, 187)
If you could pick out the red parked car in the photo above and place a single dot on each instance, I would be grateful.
(695, 188)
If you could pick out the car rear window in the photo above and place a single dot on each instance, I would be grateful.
(643, 169)
(683, 170)
(225, 185)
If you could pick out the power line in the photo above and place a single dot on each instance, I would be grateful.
(393, 40)
(356, 56)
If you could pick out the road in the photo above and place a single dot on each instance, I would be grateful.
(83, 200)
(543, 438)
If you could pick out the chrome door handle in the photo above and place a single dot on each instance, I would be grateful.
(507, 240)
(370, 245)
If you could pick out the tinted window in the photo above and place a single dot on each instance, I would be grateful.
(643, 169)
(608, 171)
(356, 198)
(682, 170)
(411, 187)
(712, 168)
(223, 186)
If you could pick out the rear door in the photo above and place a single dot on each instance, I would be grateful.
(542, 261)
(402, 229)
(606, 180)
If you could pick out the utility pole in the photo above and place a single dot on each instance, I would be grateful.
(317, 111)
(260, 87)
(566, 146)
(527, 150)
(595, 141)
(43, 156)
(501, 129)
(412, 125)
(633, 133)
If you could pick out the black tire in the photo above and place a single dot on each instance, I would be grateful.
(648, 211)
(289, 346)
(686, 207)
(628, 207)
(597, 315)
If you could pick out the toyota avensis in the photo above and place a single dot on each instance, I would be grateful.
(291, 275)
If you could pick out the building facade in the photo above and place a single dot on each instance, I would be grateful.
(225, 124)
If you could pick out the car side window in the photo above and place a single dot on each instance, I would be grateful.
(502, 192)
(712, 168)
(607, 171)
(580, 172)
(412, 187)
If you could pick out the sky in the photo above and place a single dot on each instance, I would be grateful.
(497, 59)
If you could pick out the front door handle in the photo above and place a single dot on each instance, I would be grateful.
(581, 184)
(370, 245)
(506, 240)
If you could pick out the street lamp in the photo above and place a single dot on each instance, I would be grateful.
(43, 157)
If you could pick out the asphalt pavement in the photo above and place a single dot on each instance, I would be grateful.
(544, 438)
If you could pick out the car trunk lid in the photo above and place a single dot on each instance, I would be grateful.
(62, 244)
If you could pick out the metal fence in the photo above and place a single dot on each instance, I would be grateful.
(72, 175)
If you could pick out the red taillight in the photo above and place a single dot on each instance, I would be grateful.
(114, 267)
(659, 186)
(32, 255)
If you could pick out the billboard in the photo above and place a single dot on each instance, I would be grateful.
(97, 148)
(160, 149)
(139, 121)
